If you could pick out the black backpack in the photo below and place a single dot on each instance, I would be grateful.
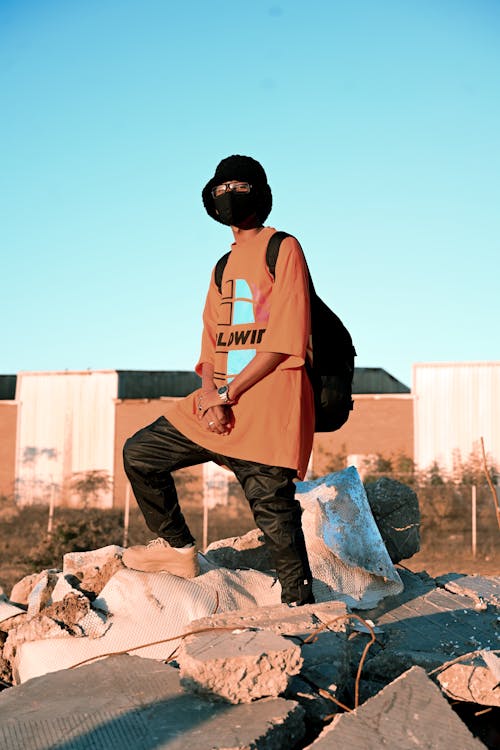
(332, 369)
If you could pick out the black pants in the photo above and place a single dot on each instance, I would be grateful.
(154, 452)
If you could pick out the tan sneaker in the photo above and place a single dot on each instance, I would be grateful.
(158, 556)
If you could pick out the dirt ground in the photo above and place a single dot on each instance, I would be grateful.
(457, 563)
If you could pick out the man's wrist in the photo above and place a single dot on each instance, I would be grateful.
(223, 394)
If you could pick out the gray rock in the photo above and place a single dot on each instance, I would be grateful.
(395, 508)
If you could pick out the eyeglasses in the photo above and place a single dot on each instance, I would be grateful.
(233, 187)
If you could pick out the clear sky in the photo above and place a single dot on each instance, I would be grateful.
(377, 121)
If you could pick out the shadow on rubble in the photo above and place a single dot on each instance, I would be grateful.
(417, 585)
(143, 727)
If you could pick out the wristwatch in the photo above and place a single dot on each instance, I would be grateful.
(223, 393)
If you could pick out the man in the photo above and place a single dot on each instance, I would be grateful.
(254, 412)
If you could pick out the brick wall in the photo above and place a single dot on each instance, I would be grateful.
(379, 424)
(8, 427)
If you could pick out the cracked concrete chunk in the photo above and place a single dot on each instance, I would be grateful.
(471, 681)
(9, 612)
(395, 508)
(139, 704)
(238, 666)
(75, 562)
(36, 628)
(483, 590)
(436, 621)
(282, 619)
(22, 589)
(94, 579)
(409, 713)
(40, 594)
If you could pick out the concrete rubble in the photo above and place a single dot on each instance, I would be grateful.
(238, 666)
(320, 630)
(472, 681)
(409, 713)
(129, 702)
(243, 669)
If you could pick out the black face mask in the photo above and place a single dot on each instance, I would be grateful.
(237, 210)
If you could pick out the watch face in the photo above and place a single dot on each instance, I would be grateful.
(222, 390)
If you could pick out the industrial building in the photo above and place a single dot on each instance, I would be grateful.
(56, 427)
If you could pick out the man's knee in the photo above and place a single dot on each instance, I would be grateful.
(132, 450)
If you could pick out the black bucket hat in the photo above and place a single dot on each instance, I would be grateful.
(245, 169)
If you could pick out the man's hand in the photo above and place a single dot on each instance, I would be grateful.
(217, 419)
(207, 399)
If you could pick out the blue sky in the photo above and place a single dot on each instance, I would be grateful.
(378, 123)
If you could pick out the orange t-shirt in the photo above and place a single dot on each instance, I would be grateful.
(274, 419)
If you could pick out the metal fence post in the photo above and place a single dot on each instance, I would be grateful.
(474, 520)
(126, 515)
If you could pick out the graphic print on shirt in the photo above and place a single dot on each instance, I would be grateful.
(242, 314)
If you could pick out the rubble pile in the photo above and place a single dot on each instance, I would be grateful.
(241, 670)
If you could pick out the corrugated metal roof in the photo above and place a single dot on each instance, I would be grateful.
(154, 384)
(7, 387)
(376, 380)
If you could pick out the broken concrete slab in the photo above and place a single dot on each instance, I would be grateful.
(326, 660)
(145, 611)
(423, 626)
(483, 590)
(238, 666)
(139, 703)
(33, 629)
(282, 619)
(397, 514)
(471, 681)
(409, 713)
(434, 620)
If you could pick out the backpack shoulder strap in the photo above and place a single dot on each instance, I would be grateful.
(273, 248)
(219, 271)
(272, 253)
